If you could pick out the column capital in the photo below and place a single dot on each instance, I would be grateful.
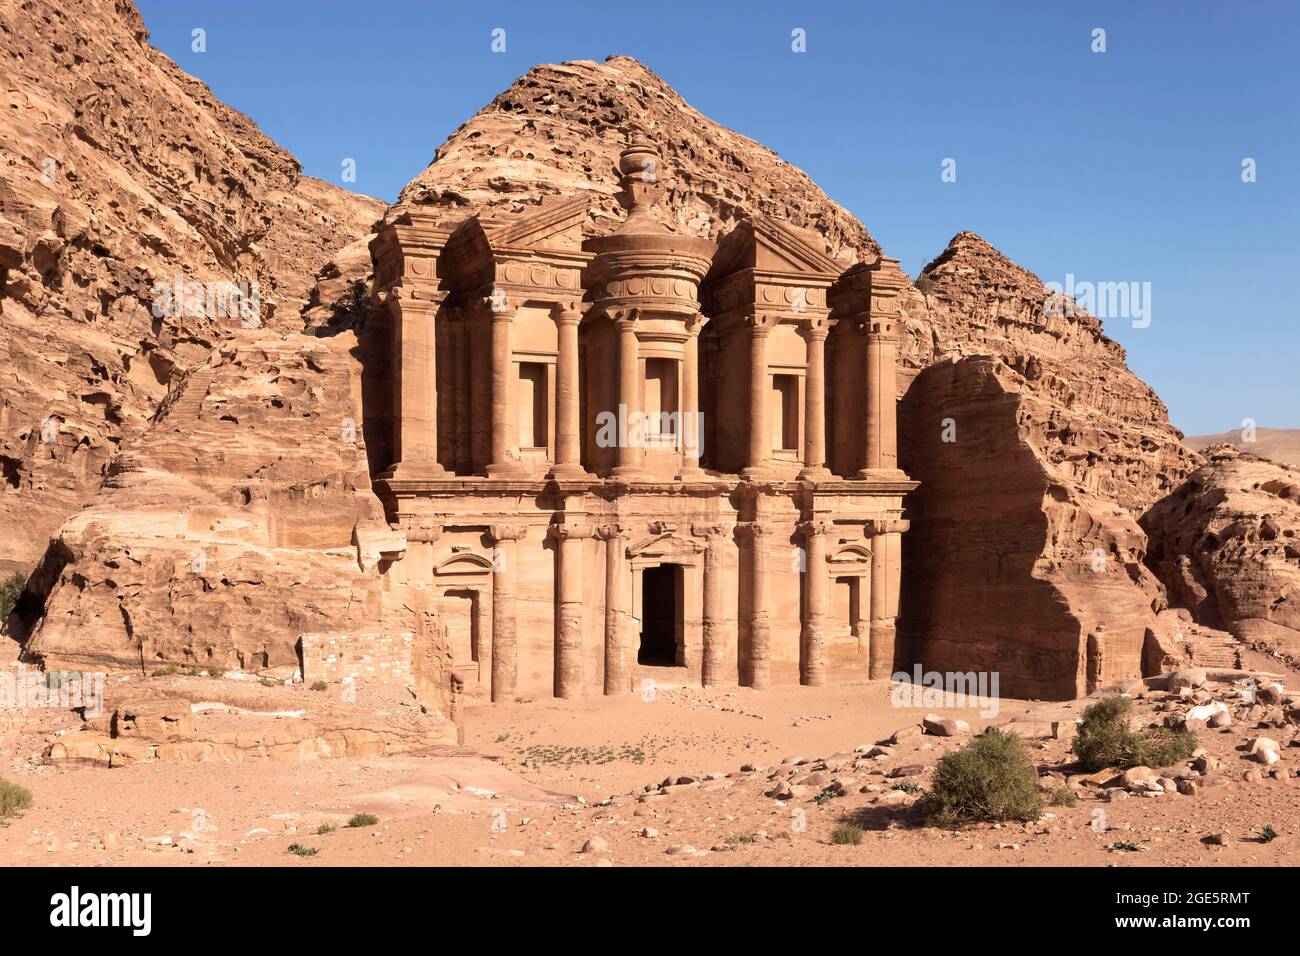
(612, 532)
(570, 532)
(753, 530)
(507, 532)
(815, 328)
(815, 528)
(696, 322)
(713, 531)
(421, 530)
(566, 313)
(881, 328)
(879, 526)
(760, 323)
(498, 303)
(625, 318)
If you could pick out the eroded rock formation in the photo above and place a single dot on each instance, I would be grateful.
(1226, 543)
(134, 205)
(239, 522)
(1035, 461)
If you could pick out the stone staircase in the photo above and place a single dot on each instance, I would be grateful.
(1209, 648)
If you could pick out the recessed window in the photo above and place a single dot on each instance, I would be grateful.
(785, 412)
(532, 405)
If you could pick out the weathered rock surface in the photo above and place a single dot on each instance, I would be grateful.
(1281, 445)
(240, 521)
(1226, 543)
(123, 180)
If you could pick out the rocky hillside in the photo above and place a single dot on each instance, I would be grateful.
(132, 203)
(241, 520)
(1281, 445)
(1226, 543)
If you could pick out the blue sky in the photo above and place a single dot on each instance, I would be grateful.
(1122, 166)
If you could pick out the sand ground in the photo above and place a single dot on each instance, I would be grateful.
(537, 779)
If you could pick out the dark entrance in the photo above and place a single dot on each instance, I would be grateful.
(659, 603)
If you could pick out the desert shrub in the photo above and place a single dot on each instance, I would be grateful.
(847, 834)
(1063, 796)
(325, 828)
(1267, 834)
(907, 786)
(13, 799)
(167, 670)
(1106, 739)
(11, 589)
(320, 685)
(363, 820)
(297, 849)
(991, 778)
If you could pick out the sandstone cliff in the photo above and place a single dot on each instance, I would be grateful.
(1226, 543)
(241, 520)
(1036, 459)
(131, 202)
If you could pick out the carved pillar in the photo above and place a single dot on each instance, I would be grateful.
(886, 565)
(629, 395)
(618, 658)
(812, 659)
(416, 383)
(504, 457)
(505, 664)
(568, 611)
(568, 447)
(719, 633)
(814, 439)
(690, 434)
(760, 627)
(760, 429)
(882, 408)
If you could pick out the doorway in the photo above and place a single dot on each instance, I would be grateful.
(661, 602)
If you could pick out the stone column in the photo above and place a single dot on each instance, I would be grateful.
(760, 429)
(882, 407)
(568, 428)
(812, 660)
(416, 401)
(629, 395)
(618, 660)
(886, 566)
(568, 610)
(719, 634)
(814, 419)
(690, 434)
(502, 374)
(505, 663)
(760, 627)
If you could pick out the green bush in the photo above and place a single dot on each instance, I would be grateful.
(363, 820)
(847, 834)
(297, 849)
(1106, 739)
(325, 828)
(11, 589)
(1063, 796)
(991, 778)
(320, 685)
(13, 799)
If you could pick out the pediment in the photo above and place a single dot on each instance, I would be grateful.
(768, 245)
(555, 225)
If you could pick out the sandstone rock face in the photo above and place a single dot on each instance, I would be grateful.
(1226, 543)
(558, 130)
(1013, 566)
(126, 190)
(242, 520)
(1281, 445)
